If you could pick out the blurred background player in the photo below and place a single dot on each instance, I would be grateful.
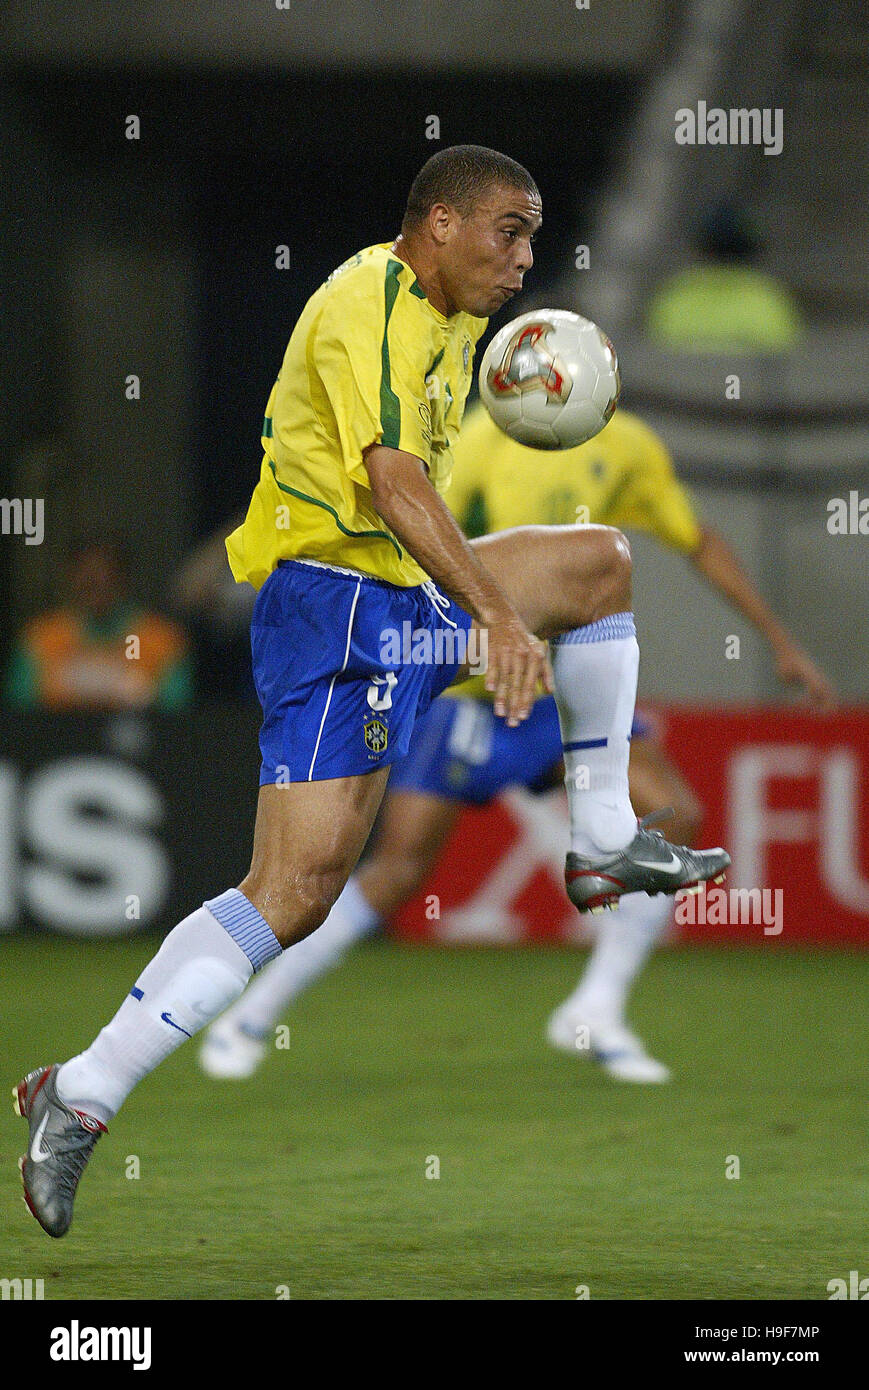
(462, 754)
(101, 649)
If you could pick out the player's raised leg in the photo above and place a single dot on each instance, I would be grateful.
(307, 840)
(410, 832)
(572, 584)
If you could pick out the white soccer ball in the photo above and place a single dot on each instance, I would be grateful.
(550, 379)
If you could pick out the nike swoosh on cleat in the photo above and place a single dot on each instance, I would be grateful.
(37, 1153)
(673, 867)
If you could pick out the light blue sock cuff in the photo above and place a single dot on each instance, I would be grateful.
(248, 929)
(610, 629)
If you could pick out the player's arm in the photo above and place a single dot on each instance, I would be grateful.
(196, 583)
(715, 560)
(420, 519)
(656, 501)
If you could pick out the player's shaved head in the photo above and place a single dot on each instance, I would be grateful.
(461, 176)
(471, 217)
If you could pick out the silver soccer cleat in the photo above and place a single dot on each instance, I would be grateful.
(61, 1142)
(649, 864)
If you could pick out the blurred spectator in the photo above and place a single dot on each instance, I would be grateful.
(724, 302)
(101, 650)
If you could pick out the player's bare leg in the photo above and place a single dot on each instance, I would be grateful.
(307, 840)
(573, 584)
(560, 577)
(409, 835)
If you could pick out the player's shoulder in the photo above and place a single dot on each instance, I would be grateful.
(633, 440)
(354, 300)
(363, 274)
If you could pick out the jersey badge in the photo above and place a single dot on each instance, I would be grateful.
(376, 736)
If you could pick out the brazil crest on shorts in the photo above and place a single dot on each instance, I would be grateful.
(376, 737)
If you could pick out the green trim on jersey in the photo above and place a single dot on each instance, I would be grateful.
(390, 409)
(436, 362)
(415, 289)
(267, 427)
(318, 502)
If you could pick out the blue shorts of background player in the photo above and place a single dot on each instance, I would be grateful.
(338, 697)
(461, 750)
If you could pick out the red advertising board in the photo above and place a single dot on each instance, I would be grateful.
(785, 791)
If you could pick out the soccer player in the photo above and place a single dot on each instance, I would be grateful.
(461, 754)
(346, 538)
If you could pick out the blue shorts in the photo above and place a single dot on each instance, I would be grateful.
(461, 750)
(344, 668)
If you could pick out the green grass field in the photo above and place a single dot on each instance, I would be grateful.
(313, 1175)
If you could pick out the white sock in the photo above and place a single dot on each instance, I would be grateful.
(265, 1001)
(203, 964)
(595, 670)
(623, 943)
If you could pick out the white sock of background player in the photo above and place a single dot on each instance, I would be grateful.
(623, 944)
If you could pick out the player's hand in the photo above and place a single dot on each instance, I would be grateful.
(793, 667)
(517, 664)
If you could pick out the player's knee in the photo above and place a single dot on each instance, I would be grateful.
(618, 561)
(293, 909)
(316, 896)
(617, 579)
(605, 565)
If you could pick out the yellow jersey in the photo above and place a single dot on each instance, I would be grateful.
(623, 477)
(370, 360)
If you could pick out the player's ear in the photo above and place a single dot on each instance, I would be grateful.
(442, 221)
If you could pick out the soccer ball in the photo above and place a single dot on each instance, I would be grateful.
(550, 379)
